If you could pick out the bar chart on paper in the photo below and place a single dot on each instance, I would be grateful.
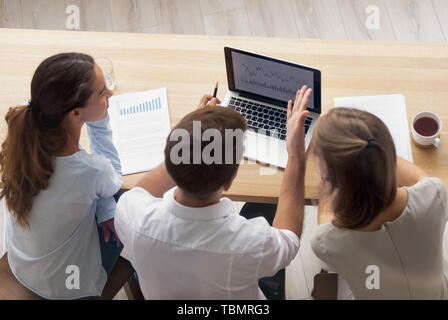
(145, 106)
(140, 124)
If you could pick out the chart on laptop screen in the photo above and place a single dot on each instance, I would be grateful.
(269, 78)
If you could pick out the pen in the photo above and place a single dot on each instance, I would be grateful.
(216, 90)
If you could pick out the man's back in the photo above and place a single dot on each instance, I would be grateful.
(199, 253)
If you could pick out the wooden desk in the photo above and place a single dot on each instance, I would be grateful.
(189, 66)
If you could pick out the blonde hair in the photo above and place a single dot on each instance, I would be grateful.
(360, 158)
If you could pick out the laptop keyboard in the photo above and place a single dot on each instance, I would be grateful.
(261, 116)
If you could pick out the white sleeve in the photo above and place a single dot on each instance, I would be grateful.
(108, 181)
(280, 248)
(131, 205)
(105, 209)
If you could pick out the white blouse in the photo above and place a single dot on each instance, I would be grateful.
(62, 241)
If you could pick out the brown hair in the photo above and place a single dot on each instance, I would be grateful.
(60, 84)
(198, 178)
(360, 158)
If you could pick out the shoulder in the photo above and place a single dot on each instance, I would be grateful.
(260, 234)
(137, 199)
(133, 204)
(94, 161)
(327, 237)
(428, 193)
(429, 183)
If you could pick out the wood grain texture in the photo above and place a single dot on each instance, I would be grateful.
(124, 15)
(11, 14)
(3, 218)
(179, 16)
(230, 23)
(402, 20)
(96, 15)
(354, 18)
(43, 14)
(318, 19)
(151, 30)
(217, 6)
(2, 15)
(271, 18)
(146, 14)
(441, 7)
(189, 66)
(415, 20)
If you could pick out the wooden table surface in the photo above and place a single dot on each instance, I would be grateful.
(189, 66)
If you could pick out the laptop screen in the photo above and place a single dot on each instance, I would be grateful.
(275, 80)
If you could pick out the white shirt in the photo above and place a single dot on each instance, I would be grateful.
(199, 253)
(63, 229)
(408, 251)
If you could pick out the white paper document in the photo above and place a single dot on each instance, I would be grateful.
(392, 110)
(140, 123)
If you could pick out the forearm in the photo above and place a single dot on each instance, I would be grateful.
(100, 139)
(157, 181)
(292, 193)
(408, 173)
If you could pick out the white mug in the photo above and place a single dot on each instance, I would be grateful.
(426, 141)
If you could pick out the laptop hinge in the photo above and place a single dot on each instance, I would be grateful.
(261, 99)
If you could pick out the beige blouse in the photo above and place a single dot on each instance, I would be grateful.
(402, 260)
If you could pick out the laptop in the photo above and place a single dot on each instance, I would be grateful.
(260, 88)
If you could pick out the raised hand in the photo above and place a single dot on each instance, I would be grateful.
(295, 127)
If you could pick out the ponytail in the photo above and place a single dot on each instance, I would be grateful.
(26, 161)
(35, 135)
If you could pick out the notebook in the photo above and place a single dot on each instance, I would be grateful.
(140, 124)
(392, 110)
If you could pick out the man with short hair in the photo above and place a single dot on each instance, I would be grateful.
(188, 242)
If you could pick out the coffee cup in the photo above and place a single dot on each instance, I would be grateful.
(426, 128)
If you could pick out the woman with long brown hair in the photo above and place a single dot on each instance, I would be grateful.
(386, 235)
(57, 193)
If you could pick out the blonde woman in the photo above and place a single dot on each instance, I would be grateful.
(389, 215)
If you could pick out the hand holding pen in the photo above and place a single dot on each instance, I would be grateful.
(208, 100)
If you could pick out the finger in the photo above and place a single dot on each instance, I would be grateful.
(204, 100)
(213, 101)
(112, 226)
(302, 92)
(117, 240)
(105, 232)
(289, 110)
(302, 119)
(297, 99)
(305, 99)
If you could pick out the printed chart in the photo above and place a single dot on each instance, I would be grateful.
(146, 106)
(140, 123)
